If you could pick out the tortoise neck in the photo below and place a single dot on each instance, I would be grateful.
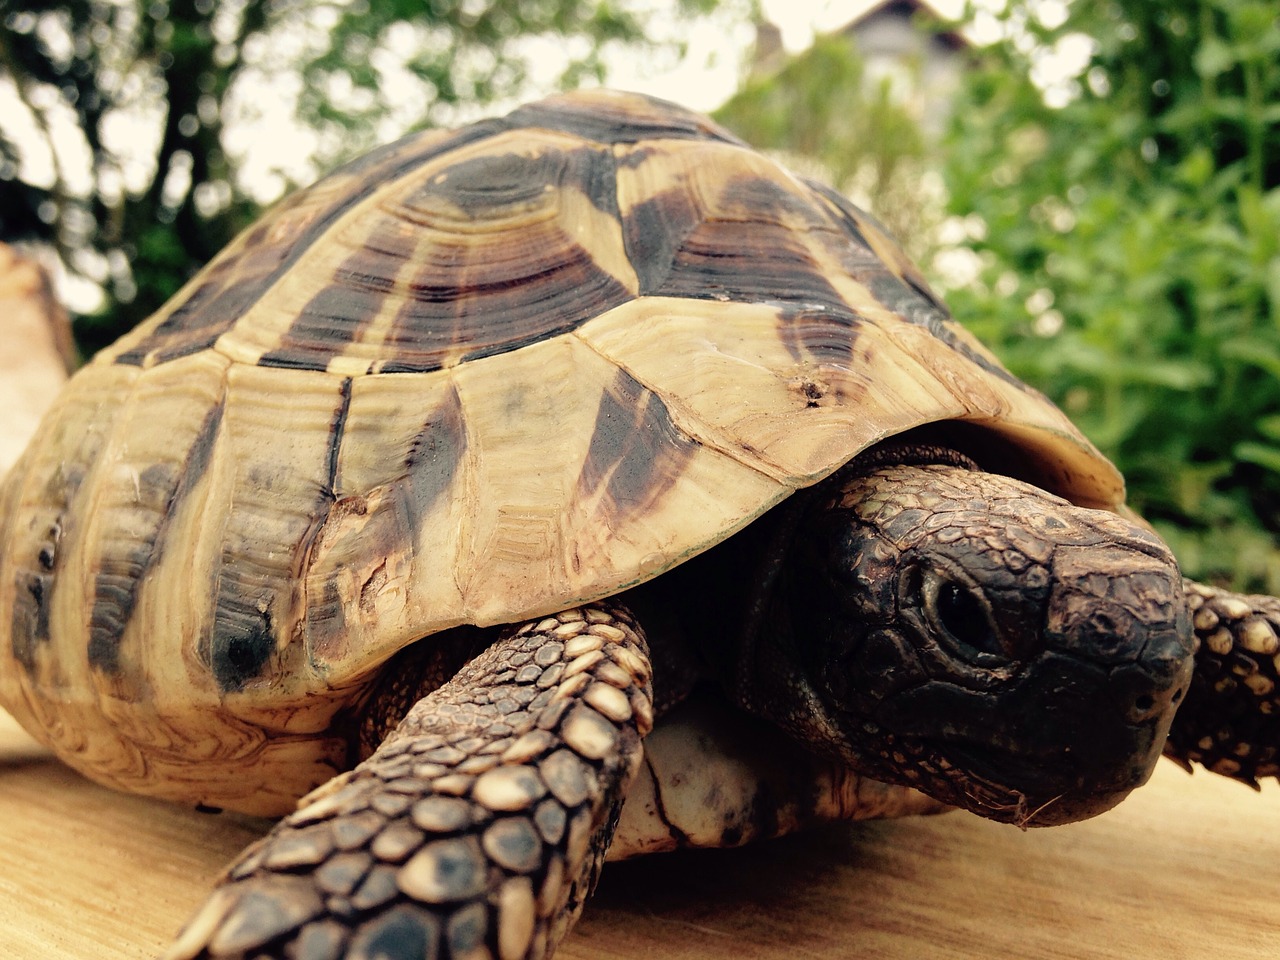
(898, 453)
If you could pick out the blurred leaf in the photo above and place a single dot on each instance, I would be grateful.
(1269, 427)
(1148, 211)
(1213, 57)
(1262, 454)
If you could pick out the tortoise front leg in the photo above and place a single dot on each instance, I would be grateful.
(476, 830)
(1230, 719)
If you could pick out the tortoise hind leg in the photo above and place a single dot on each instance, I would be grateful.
(476, 830)
(1230, 719)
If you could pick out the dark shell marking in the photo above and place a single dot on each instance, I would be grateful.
(902, 287)
(488, 268)
(239, 276)
(115, 588)
(35, 580)
(636, 452)
(477, 255)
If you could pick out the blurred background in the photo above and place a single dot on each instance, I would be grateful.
(1094, 186)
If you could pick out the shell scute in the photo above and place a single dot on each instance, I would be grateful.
(609, 117)
(545, 262)
(701, 218)
(44, 511)
(343, 309)
(868, 232)
(635, 453)
(894, 281)
(217, 298)
(397, 524)
(489, 247)
(279, 454)
(212, 306)
(136, 502)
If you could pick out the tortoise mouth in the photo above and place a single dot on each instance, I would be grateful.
(1031, 791)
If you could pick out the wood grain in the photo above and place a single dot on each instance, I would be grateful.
(1188, 867)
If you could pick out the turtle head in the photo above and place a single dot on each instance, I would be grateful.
(980, 639)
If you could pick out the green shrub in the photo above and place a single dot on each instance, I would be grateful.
(1126, 222)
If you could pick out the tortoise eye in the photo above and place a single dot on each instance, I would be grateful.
(959, 613)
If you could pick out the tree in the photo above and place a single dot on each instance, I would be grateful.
(1125, 217)
(125, 104)
(117, 117)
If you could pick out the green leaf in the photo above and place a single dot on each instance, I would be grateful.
(1262, 454)
(1269, 426)
(1213, 57)
(1254, 352)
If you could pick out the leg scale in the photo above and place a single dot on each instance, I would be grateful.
(477, 830)
(1230, 719)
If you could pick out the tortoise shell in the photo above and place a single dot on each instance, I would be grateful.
(470, 378)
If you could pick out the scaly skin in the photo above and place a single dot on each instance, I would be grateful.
(1230, 718)
(974, 637)
(476, 830)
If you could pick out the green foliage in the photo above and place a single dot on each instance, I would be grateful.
(115, 114)
(821, 107)
(122, 97)
(1128, 241)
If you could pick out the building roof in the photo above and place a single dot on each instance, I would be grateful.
(905, 9)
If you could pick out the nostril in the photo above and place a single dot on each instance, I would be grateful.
(1147, 706)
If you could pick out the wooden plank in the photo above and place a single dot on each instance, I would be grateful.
(1189, 867)
(35, 352)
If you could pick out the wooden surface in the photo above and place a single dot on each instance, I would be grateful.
(35, 350)
(1188, 867)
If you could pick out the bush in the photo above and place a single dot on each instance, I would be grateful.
(1126, 221)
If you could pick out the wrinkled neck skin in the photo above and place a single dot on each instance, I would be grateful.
(969, 635)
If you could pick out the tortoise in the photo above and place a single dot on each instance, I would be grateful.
(445, 479)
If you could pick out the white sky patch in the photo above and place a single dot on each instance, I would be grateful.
(261, 130)
(703, 79)
(1056, 69)
(37, 160)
